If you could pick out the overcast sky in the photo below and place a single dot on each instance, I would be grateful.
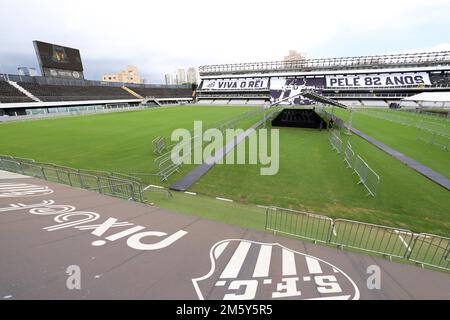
(161, 36)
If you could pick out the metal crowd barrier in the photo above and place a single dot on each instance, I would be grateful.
(159, 145)
(440, 128)
(367, 176)
(163, 160)
(349, 155)
(335, 141)
(62, 114)
(383, 240)
(434, 138)
(400, 119)
(421, 248)
(297, 223)
(110, 185)
(434, 133)
(431, 250)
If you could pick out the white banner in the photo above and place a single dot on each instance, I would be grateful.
(236, 84)
(379, 80)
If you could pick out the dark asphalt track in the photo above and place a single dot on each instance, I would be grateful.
(150, 253)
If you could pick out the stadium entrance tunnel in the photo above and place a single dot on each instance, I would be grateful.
(299, 118)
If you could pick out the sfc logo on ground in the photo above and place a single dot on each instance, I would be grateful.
(244, 270)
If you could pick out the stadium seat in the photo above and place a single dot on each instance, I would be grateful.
(160, 93)
(75, 93)
(9, 94)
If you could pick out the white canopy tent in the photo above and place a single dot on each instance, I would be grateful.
(427, 100)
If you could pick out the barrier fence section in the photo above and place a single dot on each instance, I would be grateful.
(434, 133)
(431, 250)
(166, 167)
(61, 112)
(296, 223)
(107, 184)
(370, 237)
(389, 116)
(421, 248)
(349, 156)
(367, 176)
(335, 141)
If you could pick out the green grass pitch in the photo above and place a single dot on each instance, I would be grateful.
(120, 142)
(311, 177)
(404, 138)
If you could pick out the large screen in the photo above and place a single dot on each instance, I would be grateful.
(286, 91)
(54, 56)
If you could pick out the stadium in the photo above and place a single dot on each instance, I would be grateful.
(362, 179)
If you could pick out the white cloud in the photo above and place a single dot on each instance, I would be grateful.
(160, 36)
(445, 46)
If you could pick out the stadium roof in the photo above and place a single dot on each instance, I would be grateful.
(430, 96)
(361, 62)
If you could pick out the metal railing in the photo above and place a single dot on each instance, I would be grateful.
(389, 116)
(439, 128)
(366, 175)
(349, 156)
(435, 133)
(431, 250)
(436, 115)
(369, 237)
(105, 183)
(434, 138)
(298, 223)
(369, 178)
(335, 141)
(421, 248)
(163, 150)
(159, 145)
(41, 113)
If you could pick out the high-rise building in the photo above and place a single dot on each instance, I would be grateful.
(129, 75)
(181, 76)
(192, 75)
(293, 56)
(169, 78)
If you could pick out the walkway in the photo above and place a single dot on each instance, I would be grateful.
(420, 168)
(194, 175)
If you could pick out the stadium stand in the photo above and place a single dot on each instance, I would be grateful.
(205, 101)
(9, 94)
(163, 92)
(75, 93)
(367, 80)
(374, 103)
(440, 79)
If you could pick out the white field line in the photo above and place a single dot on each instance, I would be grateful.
(224, 199)
(154, 186)
(191, 193)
